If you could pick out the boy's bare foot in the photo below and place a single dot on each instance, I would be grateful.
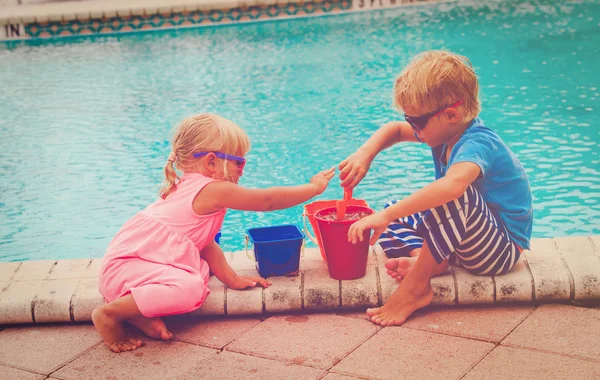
(111, 330)
(155, 328)
(398, 268)
(401, 304)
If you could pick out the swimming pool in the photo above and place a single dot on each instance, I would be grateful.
(85, 122)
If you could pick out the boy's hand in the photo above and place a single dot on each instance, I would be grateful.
(378, 222)
(243, 282)
(321, 179)
(354, 168)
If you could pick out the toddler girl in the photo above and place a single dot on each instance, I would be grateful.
(158, 264)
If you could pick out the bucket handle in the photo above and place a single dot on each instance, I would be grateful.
(246, 249)
(307, 232)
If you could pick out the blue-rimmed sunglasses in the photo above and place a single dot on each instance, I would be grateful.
(225, 156)
(419, 122)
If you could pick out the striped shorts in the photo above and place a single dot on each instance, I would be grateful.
(463, 230)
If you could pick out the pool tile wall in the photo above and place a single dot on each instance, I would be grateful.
(57, 22)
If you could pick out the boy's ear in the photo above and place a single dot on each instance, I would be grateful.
(453, 114)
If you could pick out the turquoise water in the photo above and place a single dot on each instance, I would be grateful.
(85, 122)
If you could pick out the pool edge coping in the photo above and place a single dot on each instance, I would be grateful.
(565, 269)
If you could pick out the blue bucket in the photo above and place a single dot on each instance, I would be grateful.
(276, 249)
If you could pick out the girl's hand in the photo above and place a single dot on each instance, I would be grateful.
(243, 282)
(354, 168)
(321, 179)
(378, 222)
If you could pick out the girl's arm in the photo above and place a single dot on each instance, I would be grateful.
(437, 193)
(213, 254)
(354, 168)
(225, 194)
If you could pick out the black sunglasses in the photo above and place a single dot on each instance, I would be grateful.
(419, 122)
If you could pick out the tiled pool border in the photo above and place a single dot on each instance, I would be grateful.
(81, 19)
(563, 269)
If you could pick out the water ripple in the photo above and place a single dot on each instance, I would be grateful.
(86, 122)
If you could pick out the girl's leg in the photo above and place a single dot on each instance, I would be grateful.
(109, 319)
(155, 328)
(401, 238)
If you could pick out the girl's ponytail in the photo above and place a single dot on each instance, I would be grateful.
(171, 178)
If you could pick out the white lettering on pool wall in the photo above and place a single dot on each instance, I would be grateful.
(359, 5)
(10, 31)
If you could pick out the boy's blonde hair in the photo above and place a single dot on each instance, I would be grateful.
(202, 133)
(436, 79)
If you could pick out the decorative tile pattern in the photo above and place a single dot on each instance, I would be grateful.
(166, 19)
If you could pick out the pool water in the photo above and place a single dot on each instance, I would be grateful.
(85, 122)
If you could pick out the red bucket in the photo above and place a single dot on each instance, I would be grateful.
(309, 213)
(345, 261)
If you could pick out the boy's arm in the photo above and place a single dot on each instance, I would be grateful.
(388, 135)
(450, 187)
(354, 168)
(213, 254)
(439, 192)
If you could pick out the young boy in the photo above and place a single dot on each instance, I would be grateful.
(479, 208)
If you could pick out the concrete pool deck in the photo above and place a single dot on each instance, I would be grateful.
(519, 329)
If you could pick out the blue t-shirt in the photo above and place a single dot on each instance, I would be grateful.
(503, 183)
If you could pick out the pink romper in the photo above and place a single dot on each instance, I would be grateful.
(156, 254)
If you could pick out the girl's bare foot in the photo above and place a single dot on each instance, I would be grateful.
(155, 328)
(111, 330)
(398, 268)
(401, 304)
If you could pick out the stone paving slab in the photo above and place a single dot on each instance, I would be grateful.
(383, 353)
(551, 279)
(511, 363)
(53, 300)
(514, 286)
(398, 352)
(215, 302)
(43, 349)
(488, 323)
(85, 300)
(157, 360)
(209, 333)
(316, 340)
(69, 269)
(284, 295)
(9, 373)
(234, 366)
(8, 270)
(560, 329)
(45, 288)
(336, 376)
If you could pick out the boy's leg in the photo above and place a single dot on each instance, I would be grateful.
(464, 226)
(398, 268)
(467, 228)
(414, 292)
(401, 238)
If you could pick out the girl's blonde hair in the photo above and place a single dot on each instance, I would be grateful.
(436, 79)
(202, 133)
